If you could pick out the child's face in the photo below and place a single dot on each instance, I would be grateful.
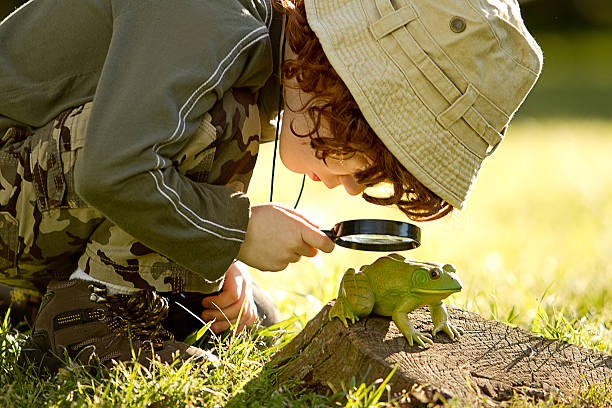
(298, 156)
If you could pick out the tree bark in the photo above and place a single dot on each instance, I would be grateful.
(491, 360)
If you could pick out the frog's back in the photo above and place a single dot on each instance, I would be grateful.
(390, 282)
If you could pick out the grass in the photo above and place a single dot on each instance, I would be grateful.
(535, 253)
(542, 243)
(533, 249)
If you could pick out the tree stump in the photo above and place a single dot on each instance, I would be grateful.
(491, 360)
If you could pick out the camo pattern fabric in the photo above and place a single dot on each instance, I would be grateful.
(46, 229)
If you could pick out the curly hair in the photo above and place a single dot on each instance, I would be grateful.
(333, 105)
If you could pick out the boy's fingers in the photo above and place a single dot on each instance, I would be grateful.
(317, 239)
(232, 291)
(222, 323)
(229, 312)
(307, 250)
(218, 327)
(222, 300)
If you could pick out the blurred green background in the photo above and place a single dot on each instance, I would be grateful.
(534, 245)
(576, 37)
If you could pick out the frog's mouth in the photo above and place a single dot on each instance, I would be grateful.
(436, 290)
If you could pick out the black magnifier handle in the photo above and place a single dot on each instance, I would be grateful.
(330, 234)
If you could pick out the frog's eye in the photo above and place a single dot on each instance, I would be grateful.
(435, 274)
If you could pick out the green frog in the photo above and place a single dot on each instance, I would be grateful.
(393, 286)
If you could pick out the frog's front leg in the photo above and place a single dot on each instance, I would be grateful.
(355, 297)
(439, 317)
(400, 317)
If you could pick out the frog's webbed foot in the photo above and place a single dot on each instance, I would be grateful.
(343, 312)
(424, 339)
(410, 333)
(439, 316)
(454, 332)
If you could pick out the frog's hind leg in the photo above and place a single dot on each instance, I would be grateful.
(355, 297)
(358, 292)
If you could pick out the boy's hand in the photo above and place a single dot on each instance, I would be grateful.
(277, 236)
(236, 291)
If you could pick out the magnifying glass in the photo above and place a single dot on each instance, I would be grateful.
(375, 235)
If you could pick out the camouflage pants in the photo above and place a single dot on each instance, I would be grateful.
(46, 229)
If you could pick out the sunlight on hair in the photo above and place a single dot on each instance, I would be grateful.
(380, 190)
(287, 4)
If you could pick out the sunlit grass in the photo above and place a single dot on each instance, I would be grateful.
(539, 216)
(533, 248)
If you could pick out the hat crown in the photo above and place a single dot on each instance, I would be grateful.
(437, 80)
(493, 48)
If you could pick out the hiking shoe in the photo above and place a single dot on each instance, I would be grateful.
(79, 319)
(22, 304)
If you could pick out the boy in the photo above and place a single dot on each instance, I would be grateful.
(131, 130)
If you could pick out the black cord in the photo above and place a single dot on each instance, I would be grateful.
(301, 190)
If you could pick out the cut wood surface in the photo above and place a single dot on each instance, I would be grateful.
(491, 360)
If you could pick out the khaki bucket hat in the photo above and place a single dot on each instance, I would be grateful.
(437, 80)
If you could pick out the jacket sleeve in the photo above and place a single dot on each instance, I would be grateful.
(167, 64)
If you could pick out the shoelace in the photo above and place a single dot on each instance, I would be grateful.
(140, 315)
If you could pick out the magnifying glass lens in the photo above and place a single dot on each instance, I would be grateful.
(376, 239)
(375, 235)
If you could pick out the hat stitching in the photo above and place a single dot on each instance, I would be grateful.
(459, 107)
(443, 81)
(398, 149)
(492, 104)
(431, 41)
(414, 82)
(347, 46)
(444, 85)
(481, 126)
(462, 109)
(422, 28)
(419, 95)
(499, 42)
(435, 68)
(423, 63)
(450, 87)
(458, 70)
(393, 21)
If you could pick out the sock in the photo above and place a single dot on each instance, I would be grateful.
(110, 288)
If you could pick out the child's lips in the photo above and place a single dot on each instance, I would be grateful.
(314, 177)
